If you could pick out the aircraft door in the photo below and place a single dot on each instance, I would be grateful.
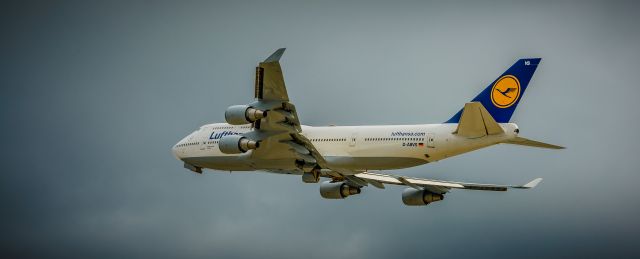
(431, 139)
(352, 141)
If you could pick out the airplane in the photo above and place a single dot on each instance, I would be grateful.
(266, 135)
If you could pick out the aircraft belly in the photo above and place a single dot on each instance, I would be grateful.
(239, 163)
(282, 164)
(373, 163)
(225, 163)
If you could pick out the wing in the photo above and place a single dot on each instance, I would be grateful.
(280, 132)
(437, 186)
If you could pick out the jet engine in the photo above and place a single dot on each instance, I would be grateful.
(337, 190)
(413, 197)
(235, 144)
(243, 114)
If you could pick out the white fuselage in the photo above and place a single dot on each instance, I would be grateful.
(358, 148)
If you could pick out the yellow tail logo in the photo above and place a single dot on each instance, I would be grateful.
(505, 91)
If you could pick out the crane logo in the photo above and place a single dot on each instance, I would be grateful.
(505, 91)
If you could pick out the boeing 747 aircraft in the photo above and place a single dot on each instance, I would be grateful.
(266, 135)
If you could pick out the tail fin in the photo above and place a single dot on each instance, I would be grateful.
(502, 96)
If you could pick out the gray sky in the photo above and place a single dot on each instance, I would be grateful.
(94, 94)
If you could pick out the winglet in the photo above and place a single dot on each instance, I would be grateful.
(530, 185)
(275, 57)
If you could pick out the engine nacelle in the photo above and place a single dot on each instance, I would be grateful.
(236, 144)
(243, 114)
(413, 197)
(337, 190)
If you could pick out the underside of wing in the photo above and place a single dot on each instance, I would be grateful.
(420, 191)
(279, 132)
(439, 186)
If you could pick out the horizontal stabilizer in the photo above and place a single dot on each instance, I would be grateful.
(476, 122)
(532, 143)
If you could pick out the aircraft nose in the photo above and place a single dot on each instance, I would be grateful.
(174, 151)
